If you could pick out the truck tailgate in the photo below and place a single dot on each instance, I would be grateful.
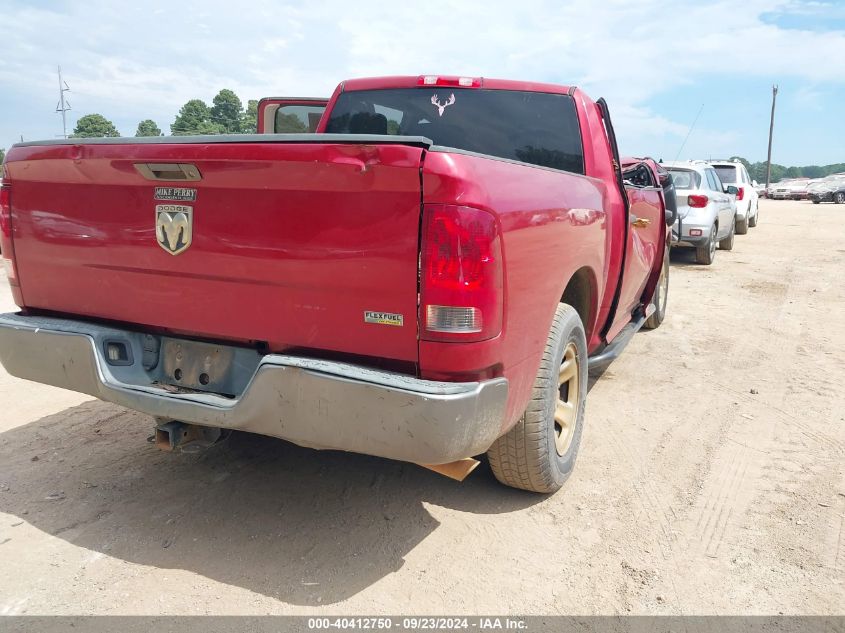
(291, 242)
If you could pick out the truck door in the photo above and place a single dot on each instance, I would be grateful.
(290, 115)
(645, 224)
(643, 237)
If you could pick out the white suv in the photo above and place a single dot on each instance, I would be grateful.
(706, 209)
(747, 198)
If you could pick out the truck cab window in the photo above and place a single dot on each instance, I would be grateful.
(530, 127)
(297, 119)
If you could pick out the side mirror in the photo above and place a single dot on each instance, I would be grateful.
(754, 183)
(731, 190)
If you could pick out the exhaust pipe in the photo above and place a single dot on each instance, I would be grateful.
(458, 470)
(187, 438)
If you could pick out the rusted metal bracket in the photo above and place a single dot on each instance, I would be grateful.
(458, 470)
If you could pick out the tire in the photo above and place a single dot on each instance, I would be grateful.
(752, 221)
(740, 227)
(839, 197)
(535, 454)
(661, 295)
(817, 201)
(707, 253)
(727, 244)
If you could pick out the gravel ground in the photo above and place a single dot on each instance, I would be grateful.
(711, 479)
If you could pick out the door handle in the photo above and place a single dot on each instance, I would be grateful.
(640, 223)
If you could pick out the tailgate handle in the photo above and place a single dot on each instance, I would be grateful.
(168, 171)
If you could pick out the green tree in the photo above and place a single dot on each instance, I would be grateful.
(148, 127)
(757, 170)
(743, 161)
(94, 126)
(227, 112)
(194, 118)
(249, 119)
(2, 155)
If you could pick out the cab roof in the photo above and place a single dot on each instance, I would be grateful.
(416, 81)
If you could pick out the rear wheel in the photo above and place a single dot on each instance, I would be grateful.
(839, 197)
(707, 253)
(752, 220)
(727, 244)
(538, 454)
(661, 294)
(741, 226)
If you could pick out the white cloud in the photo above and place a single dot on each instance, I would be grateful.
(134, 61)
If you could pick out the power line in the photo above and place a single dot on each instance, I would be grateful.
(686, 138)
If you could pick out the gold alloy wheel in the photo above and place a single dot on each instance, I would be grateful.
(566, 409)
(664, 285)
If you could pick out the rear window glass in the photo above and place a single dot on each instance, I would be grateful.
(297, 119)
(531, 127)
(727, 175)
(685, 179)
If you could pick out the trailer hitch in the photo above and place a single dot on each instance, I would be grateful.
(187, 438)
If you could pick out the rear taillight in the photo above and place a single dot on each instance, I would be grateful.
(740, 193)
(461, 274)
(696, 201)
(6, 233)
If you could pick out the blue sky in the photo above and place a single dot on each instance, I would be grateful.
(656, 61)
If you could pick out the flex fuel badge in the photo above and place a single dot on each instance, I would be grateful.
(383, 318)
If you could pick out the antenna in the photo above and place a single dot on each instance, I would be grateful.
(63, 106)
(686, 138)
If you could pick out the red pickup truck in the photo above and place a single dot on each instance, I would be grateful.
(423, 269)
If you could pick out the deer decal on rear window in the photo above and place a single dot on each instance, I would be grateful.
(442, 106)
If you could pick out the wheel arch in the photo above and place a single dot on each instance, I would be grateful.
(581, 292)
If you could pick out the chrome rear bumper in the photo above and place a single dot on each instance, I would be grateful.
(310, 402)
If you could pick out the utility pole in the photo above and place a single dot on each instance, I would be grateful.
(771, 129)
(63, 106)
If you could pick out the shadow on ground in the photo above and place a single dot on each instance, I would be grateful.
(685, 258)
(301, 526)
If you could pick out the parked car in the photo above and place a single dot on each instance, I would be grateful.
(427, 277)
(747, 199)
(829, 189)
(790, 189)
(801, 190)
(706, 209)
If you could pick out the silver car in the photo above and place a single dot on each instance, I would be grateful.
(706, 209)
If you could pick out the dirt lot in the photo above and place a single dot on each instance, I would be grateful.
(711, 479)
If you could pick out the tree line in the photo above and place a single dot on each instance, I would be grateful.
(757, 171)
(225, 115)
